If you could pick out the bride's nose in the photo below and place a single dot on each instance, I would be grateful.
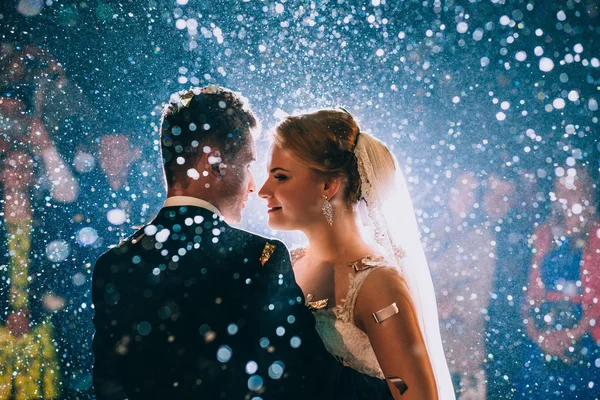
(265, 191)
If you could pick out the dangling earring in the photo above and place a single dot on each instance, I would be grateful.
(327, 211)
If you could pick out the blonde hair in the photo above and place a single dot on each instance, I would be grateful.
(324, 141)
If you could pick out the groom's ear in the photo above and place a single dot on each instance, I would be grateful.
(211, 162)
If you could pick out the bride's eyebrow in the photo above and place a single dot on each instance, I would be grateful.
(273, 170)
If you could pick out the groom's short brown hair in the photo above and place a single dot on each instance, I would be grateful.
(210, 116)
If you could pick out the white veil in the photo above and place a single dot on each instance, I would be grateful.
(389, 222)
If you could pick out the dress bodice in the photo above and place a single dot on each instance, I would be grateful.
(342, 338)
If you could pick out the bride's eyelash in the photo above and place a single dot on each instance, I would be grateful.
(280, 177)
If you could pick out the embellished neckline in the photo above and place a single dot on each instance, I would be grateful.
(317, 304)
(361, 264)
(365, 262)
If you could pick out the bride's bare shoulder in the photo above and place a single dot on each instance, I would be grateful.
(385, 285)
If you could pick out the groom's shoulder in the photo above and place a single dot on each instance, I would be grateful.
(265, 246)
(121, 249)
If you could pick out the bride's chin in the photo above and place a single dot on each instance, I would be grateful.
(277, 225)
(274, 225)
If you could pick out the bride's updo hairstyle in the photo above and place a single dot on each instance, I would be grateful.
(324, 141)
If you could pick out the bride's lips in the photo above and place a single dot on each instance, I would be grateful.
(273, 209)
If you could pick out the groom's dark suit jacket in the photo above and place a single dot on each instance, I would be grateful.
(192, 308)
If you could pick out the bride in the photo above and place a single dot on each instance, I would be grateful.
(364, 273)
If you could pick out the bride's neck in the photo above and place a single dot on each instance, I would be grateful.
(342, 241)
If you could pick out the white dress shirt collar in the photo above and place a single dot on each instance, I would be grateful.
(191, 201)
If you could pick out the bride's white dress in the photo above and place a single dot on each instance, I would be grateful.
(342, 338)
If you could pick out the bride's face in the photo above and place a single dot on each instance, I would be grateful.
(292, 192)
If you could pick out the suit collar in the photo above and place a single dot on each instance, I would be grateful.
(175, 201)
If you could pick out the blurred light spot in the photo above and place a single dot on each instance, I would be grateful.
(57, 250)
(573, 95)
(521, 56)
(232, 329)
(295, 342)
(224, 354)
(204, 329)
(164, 312)
(255, 382)
(87, 236)
(538, 51)
(144, 328)
(251, 367)
(116, 216)
(276, 370)
(150, 230)
(29, 8)
(462, 27)
(559, 103)
(264, 342)
(546, 64)
(163, 235)
(78, 279)
(84, 162)
(52, 302)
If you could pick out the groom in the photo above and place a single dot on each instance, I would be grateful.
(190, 307)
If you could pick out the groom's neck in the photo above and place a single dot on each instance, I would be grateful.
(206, 194)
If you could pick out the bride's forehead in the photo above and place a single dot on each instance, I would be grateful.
(279, 155)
